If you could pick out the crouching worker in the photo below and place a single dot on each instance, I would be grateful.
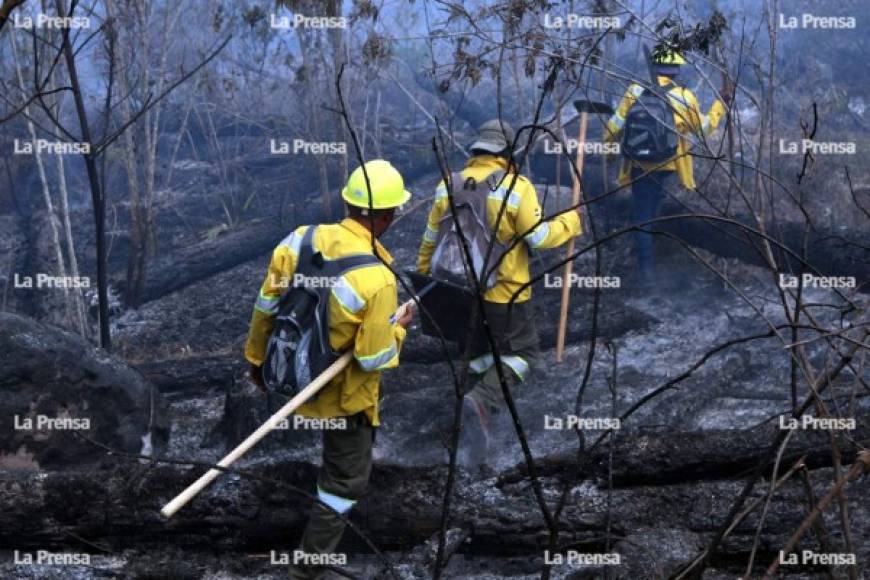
(362, 304)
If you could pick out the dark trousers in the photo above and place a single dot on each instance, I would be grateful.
(517, 339)
(344, 475)
(648, 193)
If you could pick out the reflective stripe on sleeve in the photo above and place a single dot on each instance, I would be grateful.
(615, 123)
(376, 361)
(347, 296)
(430, 235)
(267, 304)
(636, 90)
(336, 502)
(705, 125)
(441, 192)
(292, 242)
(537, 236)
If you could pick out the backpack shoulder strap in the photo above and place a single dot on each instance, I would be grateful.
(352, 262)
(464, 191)
(306, 248)
(459, 183)
(495, 178)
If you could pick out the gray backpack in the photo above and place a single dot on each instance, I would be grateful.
(448, 259)
(298, 348)
(649, 133)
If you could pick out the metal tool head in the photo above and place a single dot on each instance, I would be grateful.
(593, 107)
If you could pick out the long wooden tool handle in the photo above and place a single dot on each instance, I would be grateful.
(252, 439)
(566, 276)
(321, 381)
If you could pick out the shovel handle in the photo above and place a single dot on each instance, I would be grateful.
(566, 276)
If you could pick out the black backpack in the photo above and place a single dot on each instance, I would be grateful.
(649, 133)
(448, 258)
(298, 348)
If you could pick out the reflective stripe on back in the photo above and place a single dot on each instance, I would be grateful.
(500, 193)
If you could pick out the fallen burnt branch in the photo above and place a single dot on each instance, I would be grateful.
(212, 256)
(194, 375)
(113, 508)
(672, 457)
(827, 249)
(120, 506)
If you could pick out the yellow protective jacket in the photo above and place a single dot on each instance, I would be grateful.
(522, 216)
(361, 305)
(688, 120)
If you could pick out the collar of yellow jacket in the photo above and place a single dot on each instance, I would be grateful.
(363, 232)
(492, 161)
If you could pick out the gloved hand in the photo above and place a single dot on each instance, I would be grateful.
(255, 373)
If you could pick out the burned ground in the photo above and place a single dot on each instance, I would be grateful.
(676, 464)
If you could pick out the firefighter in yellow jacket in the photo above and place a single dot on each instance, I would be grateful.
(650, 180)
(362, 305)
(516, 336)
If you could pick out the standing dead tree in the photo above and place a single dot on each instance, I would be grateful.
(133, 51)
(94, 148)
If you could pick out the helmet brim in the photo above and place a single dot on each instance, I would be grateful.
(406, 195)
(489, 146)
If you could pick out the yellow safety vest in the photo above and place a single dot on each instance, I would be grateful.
(361, 305)
(688, 120)
(522, 217)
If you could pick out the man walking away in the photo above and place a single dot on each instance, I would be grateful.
(651, 178)
(362, 303)
(516, 336)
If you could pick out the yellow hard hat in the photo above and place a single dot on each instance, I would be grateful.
(669, 57)
(387, 186)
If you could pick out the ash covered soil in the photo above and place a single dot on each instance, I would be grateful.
(665, 503)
